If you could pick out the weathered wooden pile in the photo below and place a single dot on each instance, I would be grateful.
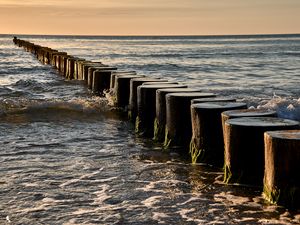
(260, 148)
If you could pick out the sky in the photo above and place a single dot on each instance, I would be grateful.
(149, 17)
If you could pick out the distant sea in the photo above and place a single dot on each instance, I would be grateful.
(67, 158)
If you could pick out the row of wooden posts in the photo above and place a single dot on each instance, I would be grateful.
(260, 148)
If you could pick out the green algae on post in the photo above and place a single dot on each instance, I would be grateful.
(194, 151)
(168, 140)
(157, 130)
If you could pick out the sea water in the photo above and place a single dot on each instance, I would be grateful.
(67, 157)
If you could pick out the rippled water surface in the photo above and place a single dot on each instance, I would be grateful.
(66, 157)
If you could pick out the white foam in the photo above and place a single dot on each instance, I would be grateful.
(92, 104)
(288, 108)
(7, 219)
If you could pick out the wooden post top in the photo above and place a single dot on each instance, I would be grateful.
(215, 99)
(158, 86)
(159, 82)
(249, 112)
(170, 90)
(148, 79)
(128, 76)
(261, 122)
(219, 105)
(285, 134)
(190, 95)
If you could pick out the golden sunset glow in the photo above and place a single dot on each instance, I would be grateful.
(144, 17)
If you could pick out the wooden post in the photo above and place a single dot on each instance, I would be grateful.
(122, 89)
(76, 68)
(207, 144)
(70, 68)
(80, 69)
(146, 107)
(101, 81)
(244, 147)
(91, 71)
(58, 57)
(282, 168)
(113, 76)
(160, 119)
(134, 83)
(246, 113)
(85, 69)
(178, 131)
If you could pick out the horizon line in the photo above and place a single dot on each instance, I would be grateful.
(152, 35)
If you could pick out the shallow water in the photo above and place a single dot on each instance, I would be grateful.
(68, 158)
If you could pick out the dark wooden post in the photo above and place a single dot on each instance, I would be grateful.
(282, 176)
(244, 147)
(207, 144)
(160, 119)
(178, 118)
(146, 103)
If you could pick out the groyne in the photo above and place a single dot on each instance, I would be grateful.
(258, 149)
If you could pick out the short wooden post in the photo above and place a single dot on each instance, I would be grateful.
(207, 144)
(76, 68)
(282, 176)
(101, 81)
(58, 59)
(134, 83)
(122, 89)
(160, 119)
(91, 71)
(178, 118)
(85, 69)
(81, 69)
(146, 100)
(244, 147)
(113, 76)
(70, 68)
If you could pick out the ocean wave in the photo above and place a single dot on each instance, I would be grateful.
(32, 85)
(288, 108)
(15, 106)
